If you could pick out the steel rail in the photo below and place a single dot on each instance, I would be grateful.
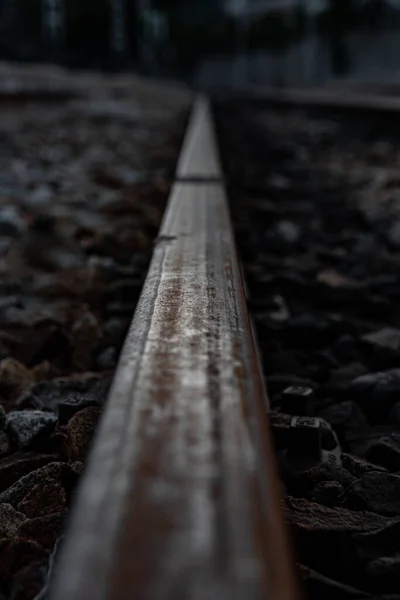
(180, 497)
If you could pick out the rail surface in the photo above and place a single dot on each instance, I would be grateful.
(180, 498)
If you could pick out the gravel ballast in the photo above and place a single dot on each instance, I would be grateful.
(315, 197)
(86, 164)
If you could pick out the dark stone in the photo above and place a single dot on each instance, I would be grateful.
(89, 389)
(282, 362)
(14, 378)
(43, 530)
(125, 290)
(107, 359)
(393, 235)
(388, 338)
(10, 520)
(358, 466)
(4, 443)
(17, 553)
(360, 445)
(80, 430)
(302, 482)
(385, 452)
(60, 472)
(384, 573)
(318, 586)
(72, 405)
(323, 534)
(345, 349)
(119, 309)
(85, 337)
(377, 492)
(347, 373)
(114, 331)
(309, 330)
(382, 541)
(288, 231)
(11, 223)
(20, 464)
(327, 493)
(376, 393)
(29, 581)
(347, 419)
(3, 418)
(43, 498)
(27, 427)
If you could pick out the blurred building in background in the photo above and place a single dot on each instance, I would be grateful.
(203, 41)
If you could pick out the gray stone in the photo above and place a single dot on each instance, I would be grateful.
(10, 520)
(384, 573)
(107, 359)
(26, 427)
(376, 492)
(85, 336)
(288, 231)
(348, 373)
(393, 235)
(300, 482)
(78, 392)
(358, 466)
(15, 554)
(43, 530)
(14, 378)
(327, 493)
(319, 586)
(3, 418)
(4, 443)
(18, 464)
(385, 452)
(387, 337)
(58, 471)
(376, 392)
(11, 223)
(382, 541)
(346, 418)
(323, 536)
(312, 517)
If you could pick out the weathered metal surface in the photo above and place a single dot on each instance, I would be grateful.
(180, 495)
(199, 156)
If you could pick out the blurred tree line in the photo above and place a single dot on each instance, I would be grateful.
(174, 34)
(83, 37)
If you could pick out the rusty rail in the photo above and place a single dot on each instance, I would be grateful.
(180, 497)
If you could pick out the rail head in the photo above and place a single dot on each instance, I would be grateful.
(180, 498)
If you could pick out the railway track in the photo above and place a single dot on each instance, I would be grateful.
(181, 493)
(180, 496)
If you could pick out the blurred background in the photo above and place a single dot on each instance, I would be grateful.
(211, 43)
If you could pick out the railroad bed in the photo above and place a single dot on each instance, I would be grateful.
(86, 164)
(315, 198)
(180, 495)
